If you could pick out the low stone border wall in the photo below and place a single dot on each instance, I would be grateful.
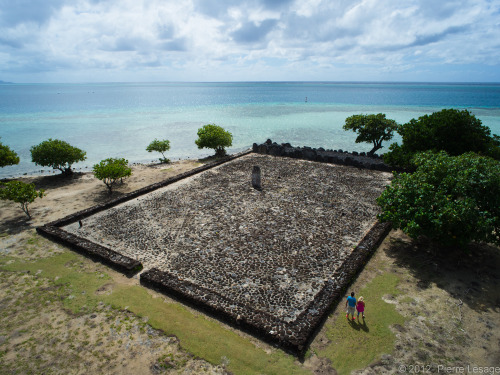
(108, 256)
(293, 337)
(121, 263)
(354, 159)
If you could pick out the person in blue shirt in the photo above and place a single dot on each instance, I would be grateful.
(351, 306)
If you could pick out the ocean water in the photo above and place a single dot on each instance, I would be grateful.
(121, 119)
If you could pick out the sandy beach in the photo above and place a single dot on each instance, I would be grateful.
(65, 195)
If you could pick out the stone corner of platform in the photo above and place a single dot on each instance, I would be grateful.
(107, 256)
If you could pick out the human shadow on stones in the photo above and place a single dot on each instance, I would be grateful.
(471, 275)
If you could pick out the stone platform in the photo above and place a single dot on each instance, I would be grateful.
(270, 261)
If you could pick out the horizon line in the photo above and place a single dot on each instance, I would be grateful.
(264, 81)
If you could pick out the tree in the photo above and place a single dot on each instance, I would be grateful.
(450, 199)
(371, 128)
(57, 154)
(213, 136)
(20, 192)
(7, 156)
(111, 170)
(450, 130)
(160, 146)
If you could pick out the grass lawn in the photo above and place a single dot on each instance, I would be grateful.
(79, 278)
(354, 345)
(39, 274)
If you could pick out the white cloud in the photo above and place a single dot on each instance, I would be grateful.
(213, 40)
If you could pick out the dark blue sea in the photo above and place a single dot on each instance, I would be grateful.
(121, 119)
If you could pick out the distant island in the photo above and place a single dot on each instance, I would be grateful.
(5, 83)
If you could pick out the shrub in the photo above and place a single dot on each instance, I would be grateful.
(20, 192)
(452, 200)
(111, 170)
(161, 147)
(215, 137)
(57, 154)
(7, 156)
(450, 130)
(371, 129)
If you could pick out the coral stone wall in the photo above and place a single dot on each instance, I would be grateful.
(354, 159)
(271, 260)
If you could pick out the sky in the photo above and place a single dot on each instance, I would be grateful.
(63, 41)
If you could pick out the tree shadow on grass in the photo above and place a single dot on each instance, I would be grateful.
(103, 196)
(54, 181)
(16, 224)
(210, 159)
(471, 276)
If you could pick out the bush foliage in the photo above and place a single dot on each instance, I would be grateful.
(452, 200)
(57, 154)
(160, 146)
(111, 170)
(20, 192)
(215, 137)
(450, 130)
(371, 129)
(7, 156)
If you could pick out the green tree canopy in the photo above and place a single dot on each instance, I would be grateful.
(7, 156)
(450, 199)
(371, 129)
(160, 146)
(111, 170)
(450, 130)
(215, 137)
(20, 192)
(57, 154)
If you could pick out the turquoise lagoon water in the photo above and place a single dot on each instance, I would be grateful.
(120, 119)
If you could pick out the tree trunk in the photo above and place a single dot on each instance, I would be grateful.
(110, 187)
(24, 206)
(67, 171)
(220, 152)
(376, 146)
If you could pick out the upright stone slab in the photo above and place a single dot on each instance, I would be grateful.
(256, 178)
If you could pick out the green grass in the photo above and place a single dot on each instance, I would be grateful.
(76, 288)
(355, 345)
(200, 336)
